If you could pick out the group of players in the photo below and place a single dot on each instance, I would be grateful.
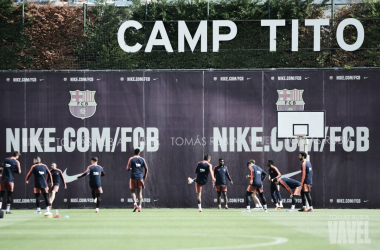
(220, 173)
(47, 181)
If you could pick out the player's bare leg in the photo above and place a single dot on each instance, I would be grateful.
(51, 198)
(133, 194)
(219, 199)
(225, 199)
(199, 200)
(256, 201)
(139, 190)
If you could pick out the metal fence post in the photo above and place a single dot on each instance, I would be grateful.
(84, 30)
(268, 9)
(23, 10)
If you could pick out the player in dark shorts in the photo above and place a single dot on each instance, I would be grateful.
(57, 177)
(294, 188)
(10, 167)
(203, 169)
(274, 174)
(220, 174)
(255, 184)
(137, 165)
(41, 174)
(306, 182)
(95, 172)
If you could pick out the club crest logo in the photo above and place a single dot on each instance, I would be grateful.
(290, 100)
(82, 104)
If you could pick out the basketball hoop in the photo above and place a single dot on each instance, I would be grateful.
(301, 138)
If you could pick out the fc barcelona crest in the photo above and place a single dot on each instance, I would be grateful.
(82, 104)
(290, 100)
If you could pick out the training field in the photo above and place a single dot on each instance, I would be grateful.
(156, 229)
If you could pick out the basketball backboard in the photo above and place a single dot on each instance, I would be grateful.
(308, 124)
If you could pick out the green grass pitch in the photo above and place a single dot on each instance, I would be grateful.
(185, 229)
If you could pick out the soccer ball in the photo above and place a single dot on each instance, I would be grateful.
(189, 180)
(48, 215)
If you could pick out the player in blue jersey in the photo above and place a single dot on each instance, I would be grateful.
(274, 174)
(306, 182)
(256, 184)
(204, 168)
(220, 174)
(41, 175)
(139, 172)
(95, 172)
(294, 188)
(11, 166)
(57, 177)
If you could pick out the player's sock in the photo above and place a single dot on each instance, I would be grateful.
(135, 204)
(98, 200)
(293, 207)
(38, 209)
(276, 204)
(265, 207)
(8, 208)
(200, 206)
(47, 209)
(281, 204)
(248, 207)
(1, 205)
(97, 209)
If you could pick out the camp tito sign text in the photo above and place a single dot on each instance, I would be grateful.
(201, 34)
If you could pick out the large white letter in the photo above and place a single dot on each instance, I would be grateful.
(317, 23)
(216, 37)
(120, 36)
(183, 32)
(272, 31)
(360, 37)
(220, 139)
(295, 35)
(159, 27)
(13, 140)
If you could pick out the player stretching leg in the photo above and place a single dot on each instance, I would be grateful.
(220, 174)
(203, 169)
(274, 174)
(41, 174)
(306, 182)
(136, 164)
(256, 185)
(11, 166)
(294, 188)
(96, 172)
(57, 176)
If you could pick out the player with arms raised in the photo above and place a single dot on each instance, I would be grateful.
(11, 166)
(306, 182)
(57, 177)
(220, 174)
(96, 172)
(274, 174)
(41, 174)
(137, 165)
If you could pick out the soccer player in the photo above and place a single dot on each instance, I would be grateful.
(41, 174)
(294, 188)
(11, 166)
(137, 165)
(203, 169)
(220, 174)
(306, 182)
(274, 175)
(57, 177)
(256, 184)
(96, 172)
